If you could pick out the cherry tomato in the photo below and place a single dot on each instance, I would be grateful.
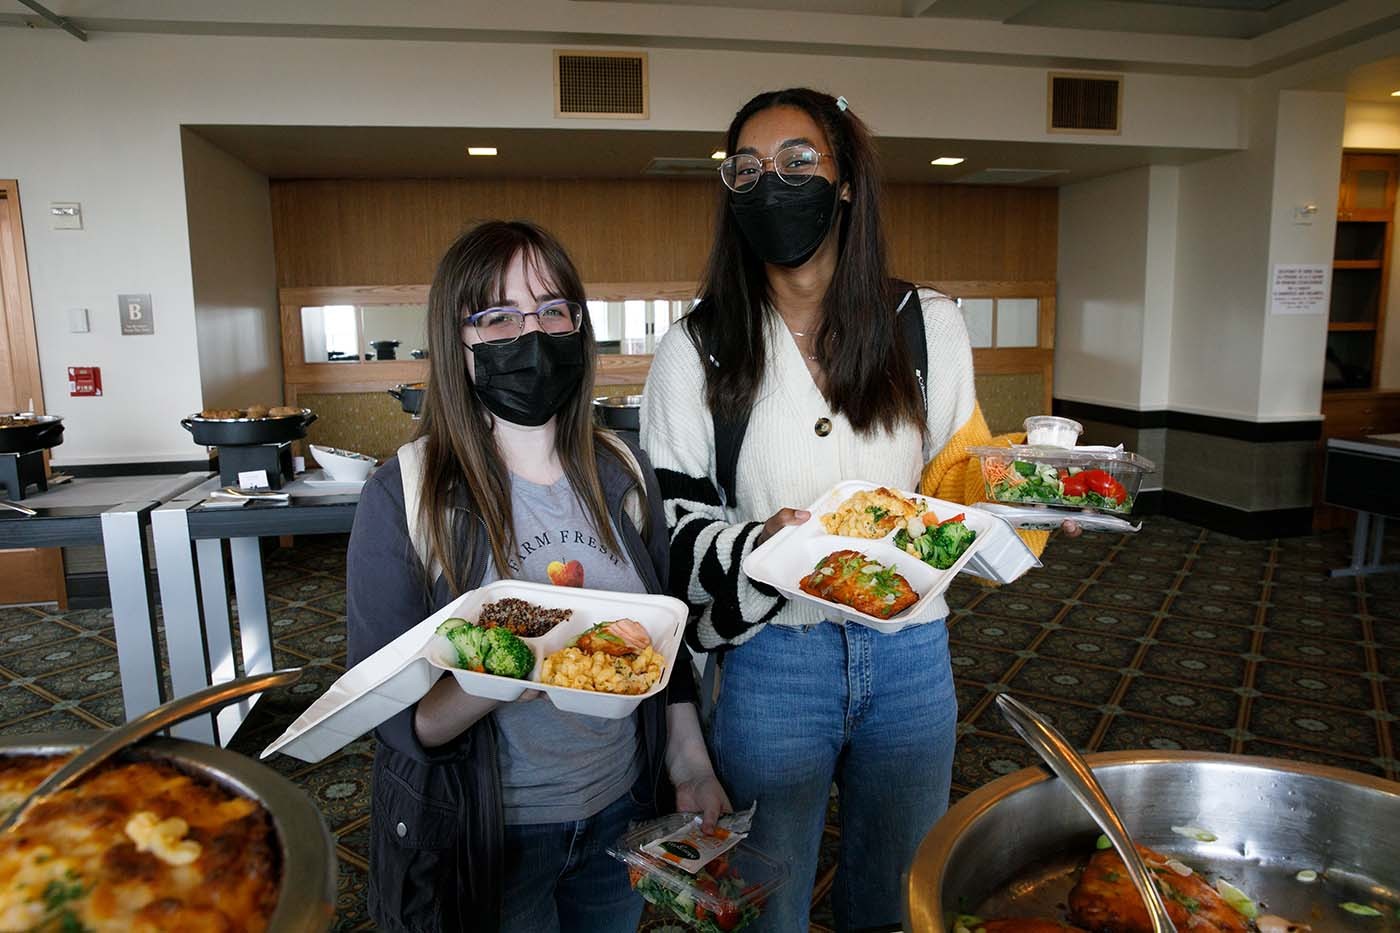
(727, 918)
(1105, 485)
(1076, 485)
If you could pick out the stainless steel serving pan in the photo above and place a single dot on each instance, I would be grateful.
(306, 895)
(1013, 848)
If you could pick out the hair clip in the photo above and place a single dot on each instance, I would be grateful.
(842, 105)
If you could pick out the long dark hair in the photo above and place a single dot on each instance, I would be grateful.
(461, 456)
(869, 375)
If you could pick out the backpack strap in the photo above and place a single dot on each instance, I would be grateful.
(411, 474)
(730, 431)
(632, 501)
(911, 328)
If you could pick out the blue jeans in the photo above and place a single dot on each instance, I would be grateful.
(559, 876)
(801, 707)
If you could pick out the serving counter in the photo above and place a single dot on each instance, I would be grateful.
(1361, 475)
(191, 540)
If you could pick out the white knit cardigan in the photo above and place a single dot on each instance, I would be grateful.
(783, 463)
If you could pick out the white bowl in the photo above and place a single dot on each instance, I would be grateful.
(343, 466)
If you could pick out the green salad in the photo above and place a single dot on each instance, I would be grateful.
(1039, 483)
(726, 906)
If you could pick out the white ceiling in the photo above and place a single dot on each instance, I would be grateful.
(1233, 19)
(436, 152)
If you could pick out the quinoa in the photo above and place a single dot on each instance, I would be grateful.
(521, 618)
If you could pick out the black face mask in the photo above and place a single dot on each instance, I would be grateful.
(528, 381)
(783, 224)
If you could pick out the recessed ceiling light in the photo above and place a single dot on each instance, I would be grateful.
(1395, 93)
(947, 160)
(717, 154)
(481, 150)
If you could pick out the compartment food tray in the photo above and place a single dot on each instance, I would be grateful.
(784, 559)
(403, 671)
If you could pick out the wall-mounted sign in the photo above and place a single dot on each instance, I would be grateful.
(136, 314)
(1299, 288)
(84, 381)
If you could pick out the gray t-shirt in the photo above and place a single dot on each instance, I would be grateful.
(558, 767)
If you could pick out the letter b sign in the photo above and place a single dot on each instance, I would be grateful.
(136, 315)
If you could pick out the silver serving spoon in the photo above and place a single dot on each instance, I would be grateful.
(167, 714)
(1075, 772)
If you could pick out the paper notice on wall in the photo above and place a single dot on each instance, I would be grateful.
(1299, 288)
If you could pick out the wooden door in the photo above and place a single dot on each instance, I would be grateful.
(29, 575)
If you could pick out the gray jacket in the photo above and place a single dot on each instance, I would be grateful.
(436, 826)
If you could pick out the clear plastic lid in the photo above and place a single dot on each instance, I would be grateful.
(726, 895)
(1120, 460)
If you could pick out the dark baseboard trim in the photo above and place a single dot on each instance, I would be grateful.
(1238, 523)
(1257, 432)
(1148, 502)
(146, 468)
(1108, 414)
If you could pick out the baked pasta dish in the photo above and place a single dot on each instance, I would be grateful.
(141, 847)
(611, 657)
(870, 513)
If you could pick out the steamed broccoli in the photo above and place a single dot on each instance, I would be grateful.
(506, 655)
(949, 542)
(471, 645)
(939, 546)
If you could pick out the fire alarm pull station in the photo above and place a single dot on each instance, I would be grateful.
(84, 381)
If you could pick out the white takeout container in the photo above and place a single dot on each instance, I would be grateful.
(782, 561)
(403, 671)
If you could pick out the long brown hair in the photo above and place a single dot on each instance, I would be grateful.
(869, 375)
(462, 458)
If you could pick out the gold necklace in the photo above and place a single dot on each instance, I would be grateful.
(811, 357)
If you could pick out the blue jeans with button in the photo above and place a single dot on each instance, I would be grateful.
(801, 707)
(560, 877)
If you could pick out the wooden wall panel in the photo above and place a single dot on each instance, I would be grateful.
(391, 232)
(972, 232)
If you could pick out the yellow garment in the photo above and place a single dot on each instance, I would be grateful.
(955, 475)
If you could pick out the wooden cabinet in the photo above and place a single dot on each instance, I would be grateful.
(1360, 267)
(1357, 414)
(1368, 187)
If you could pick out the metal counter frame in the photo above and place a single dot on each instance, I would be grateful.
(83, 514)
(189, 543)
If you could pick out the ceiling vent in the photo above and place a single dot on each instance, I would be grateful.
(607, 85)
(1085, 103)
(1008, 176)
(686, 168)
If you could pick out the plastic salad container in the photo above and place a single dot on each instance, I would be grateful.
(1100, 478)
(1052, 431)
(728, 894)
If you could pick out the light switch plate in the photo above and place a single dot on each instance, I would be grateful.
(65, 215)
(78, 321)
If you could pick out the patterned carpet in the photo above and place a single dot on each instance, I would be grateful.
(1172, 638)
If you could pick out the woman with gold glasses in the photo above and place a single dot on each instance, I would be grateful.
(806, 364)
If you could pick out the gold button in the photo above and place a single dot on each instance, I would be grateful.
(823, 427)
